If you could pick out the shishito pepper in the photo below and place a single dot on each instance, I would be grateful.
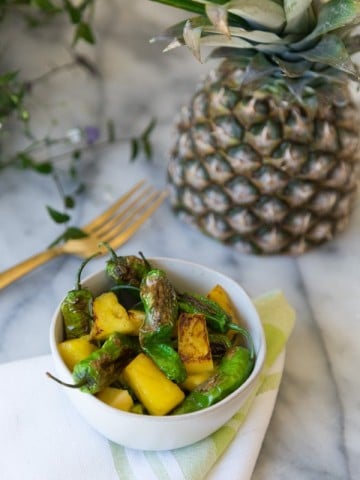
(102, 367)
(234, 369)
(160, 304)
(217, 319)
(76, 308)
(126, 270)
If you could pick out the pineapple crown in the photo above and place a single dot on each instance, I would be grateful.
(299, 43)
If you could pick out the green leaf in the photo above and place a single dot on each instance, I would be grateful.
(26, 161)
(45, 168)
(200, 9)
(134, 149)
(76, 154)
(8, 77)
(84, 32)
(336, 14)
(74, 13)
(263, 13)
(332, 51)
(295, 9)
(69, 201)
(58, 217)
(218, 16)
(74, 233)
(71, 233)
(147, 148)
(146, 133)
(47, 6)
(299, 16)
(332, 16)
(258, 67)
(192, 39)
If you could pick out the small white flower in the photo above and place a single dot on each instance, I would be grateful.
(74, 135)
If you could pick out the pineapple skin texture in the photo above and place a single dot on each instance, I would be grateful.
(264, 173)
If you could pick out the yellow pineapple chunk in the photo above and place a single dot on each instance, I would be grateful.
(75, 349)
(195, 379)
(193, 343)
(117, 398)
(154, 390)
(137, 318)
(110, 316)
(219, 295)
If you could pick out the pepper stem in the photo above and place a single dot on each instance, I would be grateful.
(145, 260)
(246, 334)
(82, 266)
(70, 385)
(111, 250)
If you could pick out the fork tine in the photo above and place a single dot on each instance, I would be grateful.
(113, 208)
(122, 218)
(128, 211)
(119, 237)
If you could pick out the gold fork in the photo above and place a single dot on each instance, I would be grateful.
(114, 226)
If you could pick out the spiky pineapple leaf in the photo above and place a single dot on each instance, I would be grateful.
(294, 8)
(332, 51)
(233, 53)
(258, 67)
(199, 7)
(333, 15)
(292, 69)
(259, 13)
(352, 44)
(298, 15)
(192, 38)
(218, 16)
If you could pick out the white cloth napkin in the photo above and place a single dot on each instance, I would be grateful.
(43, 438)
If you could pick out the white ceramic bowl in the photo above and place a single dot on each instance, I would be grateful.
(147, 432)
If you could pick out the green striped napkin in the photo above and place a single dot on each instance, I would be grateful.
(195, 462)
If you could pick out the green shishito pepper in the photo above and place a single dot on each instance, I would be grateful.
(76, 308)
(235, 367)
(161, 310)
(126, 270)
(102, 367)
(217, 319)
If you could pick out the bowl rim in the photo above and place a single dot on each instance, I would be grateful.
(258, 366)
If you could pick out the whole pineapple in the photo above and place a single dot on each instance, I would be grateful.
(266, 154)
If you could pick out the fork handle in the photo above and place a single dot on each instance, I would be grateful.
(25, 267)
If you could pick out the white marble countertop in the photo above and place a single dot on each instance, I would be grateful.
(315, 429)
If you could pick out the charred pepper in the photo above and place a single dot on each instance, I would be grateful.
(102, 367)
(217, 319)
(161, 309)
(234, 369)
(76, 308)
(126, 270)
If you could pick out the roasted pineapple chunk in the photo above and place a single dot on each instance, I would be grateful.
(219, 295)
(154, 390)
(195, 379)
(117, 398)
(137, 318)
(110, 316)
(75, 349)
(193, 343)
